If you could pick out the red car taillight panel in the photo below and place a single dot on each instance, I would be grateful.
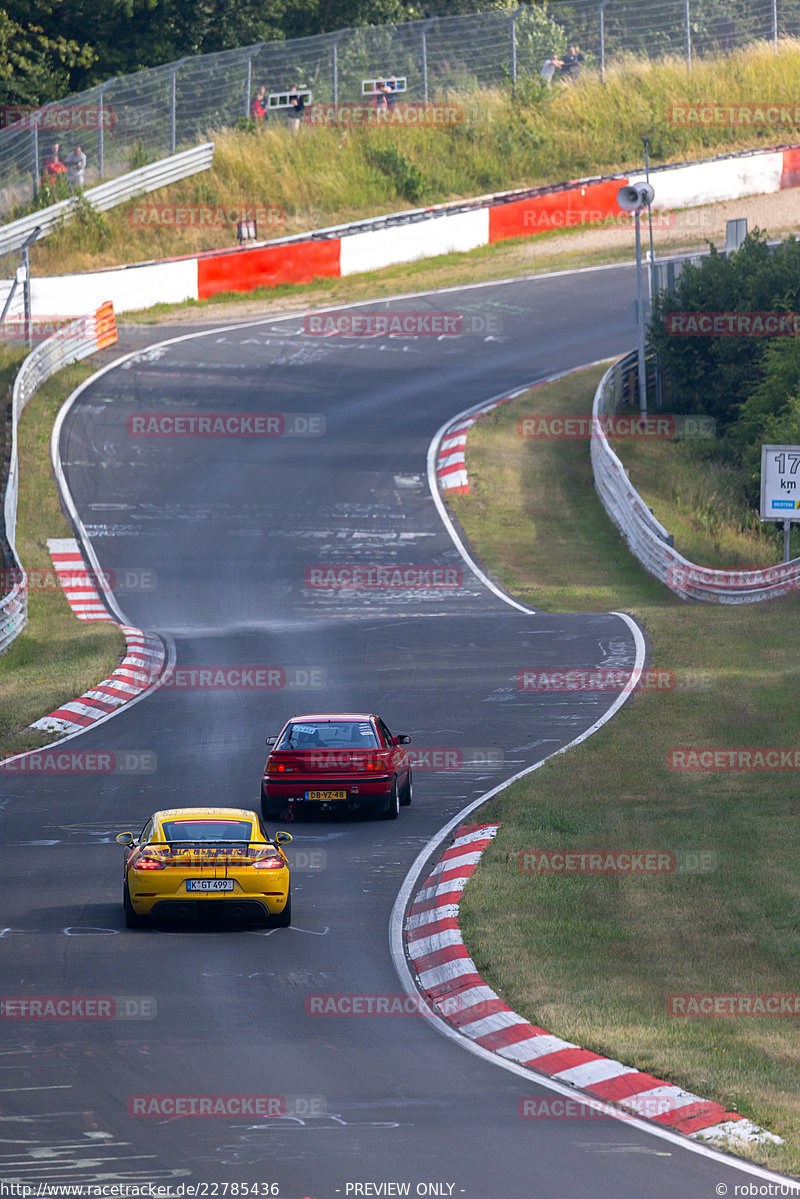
(148, 864)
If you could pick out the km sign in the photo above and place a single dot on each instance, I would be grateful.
(780, 482)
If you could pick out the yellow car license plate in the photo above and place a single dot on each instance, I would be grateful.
(324, 796)
(209, 884)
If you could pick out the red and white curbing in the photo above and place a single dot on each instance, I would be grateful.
(139, 669)
(451, 466)
(450, 981)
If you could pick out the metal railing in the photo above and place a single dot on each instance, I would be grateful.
(110, 194)
(647, 538)
(153, 113)
(45, 360)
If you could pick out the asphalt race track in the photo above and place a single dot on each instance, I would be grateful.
(226, 528)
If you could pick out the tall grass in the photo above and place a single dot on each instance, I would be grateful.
(326, 175)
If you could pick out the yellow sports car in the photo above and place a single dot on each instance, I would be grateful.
(197, 861)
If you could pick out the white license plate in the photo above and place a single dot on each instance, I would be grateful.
(209, 884)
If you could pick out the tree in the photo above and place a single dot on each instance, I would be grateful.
(36, 66)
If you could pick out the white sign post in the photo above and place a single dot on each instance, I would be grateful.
(780, 487)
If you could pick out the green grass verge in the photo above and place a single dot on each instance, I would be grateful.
(594, 958)
(703, 503)
(57, 657)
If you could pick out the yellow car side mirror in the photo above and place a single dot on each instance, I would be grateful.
(283, 838)
(124, 839)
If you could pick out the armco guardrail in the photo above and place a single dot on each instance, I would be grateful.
(110, 194)
(649, 541)
(72, 343)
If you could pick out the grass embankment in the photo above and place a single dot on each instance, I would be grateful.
(703, 504)
(322, 177)
(594, 958)
(57, 657)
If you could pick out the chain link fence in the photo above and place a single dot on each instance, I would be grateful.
(127, 122)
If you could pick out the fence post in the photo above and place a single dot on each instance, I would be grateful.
(248, 87)
(35, 151)
(423, 44)
(335, 65)
(513, 25)
(101, 123)
(688, 24)
(775, 25)
(601, 13)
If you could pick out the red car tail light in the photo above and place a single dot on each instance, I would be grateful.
(269, 864)
(148, 864)
(278, 767)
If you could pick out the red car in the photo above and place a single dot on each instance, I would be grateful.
(347, 760)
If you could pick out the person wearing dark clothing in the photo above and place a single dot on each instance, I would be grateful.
(297, 105)
(571, 64)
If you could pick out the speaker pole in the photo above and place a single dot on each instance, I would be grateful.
(640, 314)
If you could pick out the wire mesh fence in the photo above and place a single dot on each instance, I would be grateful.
(126, 122)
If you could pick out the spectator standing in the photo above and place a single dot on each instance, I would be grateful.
(76, 165)
(53, 166)
(551, 64)
(297, 105)
(571, 66)
(391, 92)
(258, 108)
(379, 98)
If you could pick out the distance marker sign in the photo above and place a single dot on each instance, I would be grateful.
(780, 482)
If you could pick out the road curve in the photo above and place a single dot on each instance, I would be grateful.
(228, 528)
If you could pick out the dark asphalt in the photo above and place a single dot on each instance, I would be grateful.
(227, 527)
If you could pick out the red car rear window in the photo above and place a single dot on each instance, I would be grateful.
(342, 734)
